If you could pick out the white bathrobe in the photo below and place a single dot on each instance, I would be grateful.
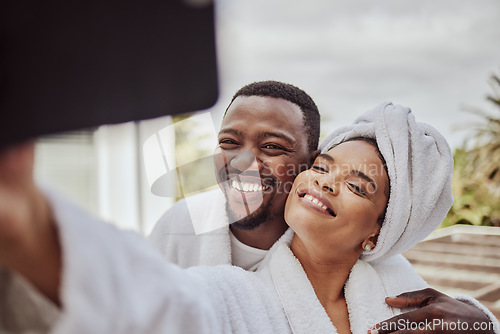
(194, 231)
(114, 282)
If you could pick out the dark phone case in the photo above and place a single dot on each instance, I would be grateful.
(67, 65)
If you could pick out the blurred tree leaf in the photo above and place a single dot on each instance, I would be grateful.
(476, 179)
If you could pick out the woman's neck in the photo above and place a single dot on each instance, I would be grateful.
(327, 275)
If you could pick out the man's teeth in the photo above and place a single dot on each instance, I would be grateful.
(244, 186)
(315, 201)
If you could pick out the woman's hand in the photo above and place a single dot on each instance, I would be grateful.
(28, 237)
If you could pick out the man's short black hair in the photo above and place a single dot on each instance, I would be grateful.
(290, 93)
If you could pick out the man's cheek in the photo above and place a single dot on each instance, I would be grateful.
(285, 171)
(220, 159)
(287, 186)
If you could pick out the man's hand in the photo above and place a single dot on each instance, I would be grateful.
(437, 313)
(29, 243)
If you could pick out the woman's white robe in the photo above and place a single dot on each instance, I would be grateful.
(113, 282)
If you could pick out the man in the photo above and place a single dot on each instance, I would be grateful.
(269, 134)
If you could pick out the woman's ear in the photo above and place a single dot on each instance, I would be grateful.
(371, 241)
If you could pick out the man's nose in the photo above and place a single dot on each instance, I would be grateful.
(244, 160)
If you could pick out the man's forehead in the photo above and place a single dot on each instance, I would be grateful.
(276, 112)
(271, 105)
(264, 117)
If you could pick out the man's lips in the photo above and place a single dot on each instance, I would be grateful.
(247, 189)
(317, 200)
(247, 186)
(248, 181)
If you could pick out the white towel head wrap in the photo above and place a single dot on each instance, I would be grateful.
(420, 167)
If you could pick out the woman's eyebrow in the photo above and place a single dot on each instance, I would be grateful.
(326, 157)
(364, 176)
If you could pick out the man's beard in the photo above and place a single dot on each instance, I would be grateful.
(257, 217)
(252, 220)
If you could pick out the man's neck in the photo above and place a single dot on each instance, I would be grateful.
(263, 236)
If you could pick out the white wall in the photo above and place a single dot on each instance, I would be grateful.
(104, 172)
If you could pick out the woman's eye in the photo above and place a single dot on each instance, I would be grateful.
(357, 189)
(319, 168)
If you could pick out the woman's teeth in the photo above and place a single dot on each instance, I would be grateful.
(244, 186)
(315, 201)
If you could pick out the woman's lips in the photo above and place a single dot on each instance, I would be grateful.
(317, 200)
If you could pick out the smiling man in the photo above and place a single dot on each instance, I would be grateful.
(269, 134)
(262, 147)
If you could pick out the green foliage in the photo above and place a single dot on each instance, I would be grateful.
(476, 202)
(194, 147)
(476, 179)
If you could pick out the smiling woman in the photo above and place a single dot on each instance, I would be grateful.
(338, 208)
(334, 187)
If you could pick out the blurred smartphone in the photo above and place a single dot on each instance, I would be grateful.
(67, 65)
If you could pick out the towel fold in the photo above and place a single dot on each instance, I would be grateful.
(420, 167)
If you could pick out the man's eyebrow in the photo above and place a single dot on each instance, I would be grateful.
(281, 135)
(229, 130)
(364, 176)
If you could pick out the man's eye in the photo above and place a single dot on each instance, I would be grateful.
(319, 168)
(273, 147)
(357, 189)
(227, 143)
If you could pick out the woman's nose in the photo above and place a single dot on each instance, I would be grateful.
(328, 185)
(244, 160)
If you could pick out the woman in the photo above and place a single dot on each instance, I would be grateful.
(338, 206)
(349, 212)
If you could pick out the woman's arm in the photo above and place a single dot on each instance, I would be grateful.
(29, 243)
(106, 280)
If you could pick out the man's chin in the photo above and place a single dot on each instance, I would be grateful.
(247, 221)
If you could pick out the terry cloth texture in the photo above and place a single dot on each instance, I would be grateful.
(114, 282)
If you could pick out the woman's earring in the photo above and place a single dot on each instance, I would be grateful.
(368, 247)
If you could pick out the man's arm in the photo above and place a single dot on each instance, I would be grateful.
(437, 313)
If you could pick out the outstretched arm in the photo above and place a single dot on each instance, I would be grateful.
(28, 237)
(106, 280)
(436, 313)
